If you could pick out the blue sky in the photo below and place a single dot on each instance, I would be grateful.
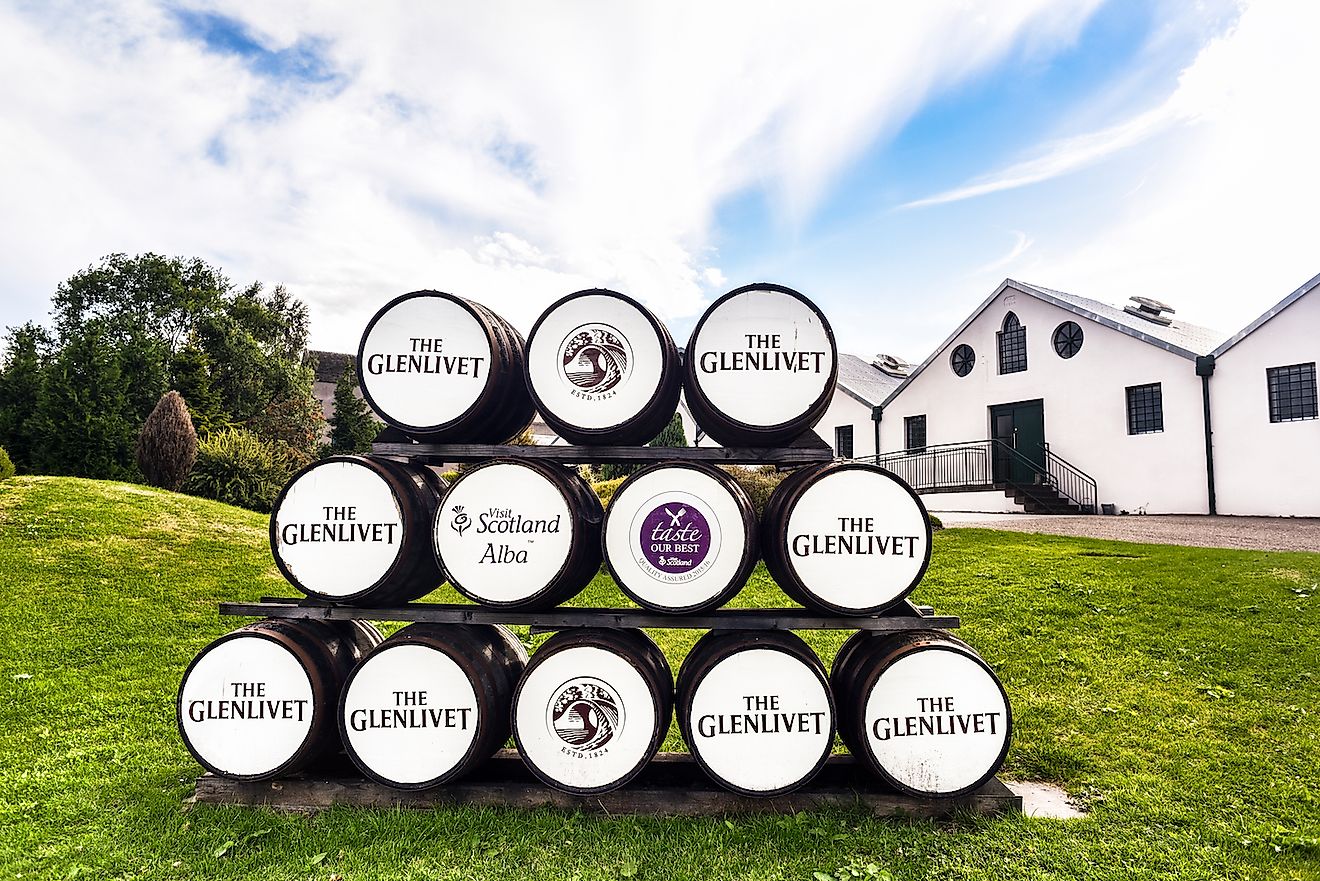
(894, 162)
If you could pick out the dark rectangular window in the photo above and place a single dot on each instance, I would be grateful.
(914, 432)
(843, 441)
(1145, 409)
(1292, 392)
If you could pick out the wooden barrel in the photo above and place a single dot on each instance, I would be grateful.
(680, 537)
(431, 703)
(593, 708)
(444, 370)
(603, 370)
(846, 538)
(519, 534)
(356, 530)
(922, 710)
(756, 710)
(260, 702)
(760, 367)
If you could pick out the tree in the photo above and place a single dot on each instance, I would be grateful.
(352, 427)
(167, 445)
(191, 371)
(154, 323)
(22, 374)
(83, 415)
(672, 435)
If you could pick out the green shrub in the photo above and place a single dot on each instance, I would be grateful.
(607, 488)
(758, 483)
(449, 476)
(167, 444)
(6, 466)
(935, 522)
(237, 467)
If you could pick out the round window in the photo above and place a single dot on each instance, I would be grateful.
(963, 360)
(1068, 339)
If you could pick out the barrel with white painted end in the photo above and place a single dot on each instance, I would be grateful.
(846, 538)
(602, 369)
(519, 534)
(680, 537)
(760, 366)
(593, 708)
(431, 703)
(260, 702)
(922, 710)
(444, 370)
(356, 530)
(756, 710)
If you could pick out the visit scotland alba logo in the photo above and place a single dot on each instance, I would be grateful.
(595, 359)
(461, 521)
(585, 713)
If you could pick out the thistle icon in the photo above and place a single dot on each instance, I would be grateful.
(460, 522)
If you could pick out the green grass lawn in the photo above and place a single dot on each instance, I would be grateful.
(1174, 690)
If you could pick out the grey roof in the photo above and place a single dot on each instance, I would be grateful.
(863, 381)
(1269, 313)
(1179, 338)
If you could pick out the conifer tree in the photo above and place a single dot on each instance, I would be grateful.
(167, 445)
(352, 427)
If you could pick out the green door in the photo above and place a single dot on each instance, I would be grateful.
(1019, 427)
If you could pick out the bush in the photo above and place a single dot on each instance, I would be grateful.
(167, 444)
(6, 466)
(935, 522)
(607, 488)
(758, 483)
(236, 467)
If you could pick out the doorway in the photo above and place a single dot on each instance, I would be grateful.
(1019, 427)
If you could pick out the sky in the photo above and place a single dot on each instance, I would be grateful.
(892, 161)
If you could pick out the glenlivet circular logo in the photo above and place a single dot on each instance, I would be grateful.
(595, 359)
(585, 713)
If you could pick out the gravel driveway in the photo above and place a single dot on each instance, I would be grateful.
(1249, 533)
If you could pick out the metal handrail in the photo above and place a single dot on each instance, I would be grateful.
(971, 465)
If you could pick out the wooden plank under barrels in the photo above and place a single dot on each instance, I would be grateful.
(672, 785)
(903, 617)
(806, 449)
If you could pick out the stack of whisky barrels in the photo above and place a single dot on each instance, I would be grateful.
(590, 709)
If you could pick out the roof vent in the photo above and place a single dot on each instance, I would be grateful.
(1151, 310)
(891, 365)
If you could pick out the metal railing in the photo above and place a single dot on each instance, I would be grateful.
(987, 464)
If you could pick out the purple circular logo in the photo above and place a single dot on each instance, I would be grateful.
(674, 538)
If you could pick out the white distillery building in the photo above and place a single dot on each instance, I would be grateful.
(1046, 401)
(1060, 403)
(1266, 440)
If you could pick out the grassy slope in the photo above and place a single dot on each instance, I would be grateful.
(1174, 688)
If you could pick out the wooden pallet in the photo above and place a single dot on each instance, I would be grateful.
(672, 785)
(902, 616)
(807, 449)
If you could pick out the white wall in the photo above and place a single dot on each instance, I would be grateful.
(1263, 467)
(1085, 405)
(976, 502)
(844, 409)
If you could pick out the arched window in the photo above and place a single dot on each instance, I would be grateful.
(1012, 345)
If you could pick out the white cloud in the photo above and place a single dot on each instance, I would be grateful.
(508, 152)
(1228, 219)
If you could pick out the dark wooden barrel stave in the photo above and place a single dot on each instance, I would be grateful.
(602, 369)
(593, 708)
(756, 710)
(431, 703)
(922, 710)
(356, 530)
(519, 534)
(760, 367)
(443, 369)
(260, 702)
(846, 538)
(680, 537)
